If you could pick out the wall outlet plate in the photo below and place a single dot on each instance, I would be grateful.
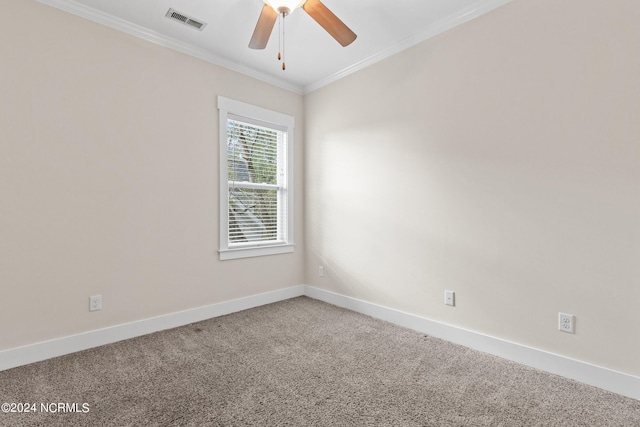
(95, 303)
(450, 298)
(566, 322)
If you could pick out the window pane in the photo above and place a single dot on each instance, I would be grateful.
(253, 215)
(252, 153)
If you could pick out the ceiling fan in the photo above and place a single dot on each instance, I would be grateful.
(272, 9)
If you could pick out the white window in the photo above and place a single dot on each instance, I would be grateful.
(256, 192)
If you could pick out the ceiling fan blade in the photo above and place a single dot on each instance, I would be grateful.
(330, 22)
(265, 24)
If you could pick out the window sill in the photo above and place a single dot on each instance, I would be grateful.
(237, 253)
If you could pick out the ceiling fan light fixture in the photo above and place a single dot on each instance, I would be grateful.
(284, 6)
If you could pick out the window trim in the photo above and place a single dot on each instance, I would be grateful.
(236, 110)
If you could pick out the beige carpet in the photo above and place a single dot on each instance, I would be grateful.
(300, 363)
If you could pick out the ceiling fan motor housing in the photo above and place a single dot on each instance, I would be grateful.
(284, 6)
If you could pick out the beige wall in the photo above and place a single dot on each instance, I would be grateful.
(500, 160)
(109, 178)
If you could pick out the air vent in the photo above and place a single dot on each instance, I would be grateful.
(184, 19)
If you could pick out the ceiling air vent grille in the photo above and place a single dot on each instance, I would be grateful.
(184, 19)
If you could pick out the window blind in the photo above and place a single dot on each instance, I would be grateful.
(255, 179)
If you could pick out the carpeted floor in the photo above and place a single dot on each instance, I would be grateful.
(300, 362)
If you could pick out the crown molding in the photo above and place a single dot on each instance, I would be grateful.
(451, 21)
(135, 30)
(477, 9)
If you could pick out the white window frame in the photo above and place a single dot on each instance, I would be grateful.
(230, 109)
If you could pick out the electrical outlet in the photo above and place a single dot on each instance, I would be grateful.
(95, 303)
(566, 322)
(321, 271)
(450, 298)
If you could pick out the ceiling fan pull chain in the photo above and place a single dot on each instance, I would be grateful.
(283, 37)
(279, 37)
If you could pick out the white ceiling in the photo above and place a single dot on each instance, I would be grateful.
(313, 57)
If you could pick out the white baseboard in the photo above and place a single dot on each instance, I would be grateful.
(25, 355)
(607, 379)
(614, 381)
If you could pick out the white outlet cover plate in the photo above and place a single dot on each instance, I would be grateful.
(450, 298)
(566, 322)
(95, 303)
